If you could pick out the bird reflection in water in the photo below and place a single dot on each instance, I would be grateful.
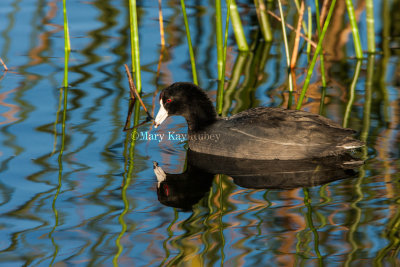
(186, 189)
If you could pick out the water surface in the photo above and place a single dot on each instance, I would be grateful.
(77, 190)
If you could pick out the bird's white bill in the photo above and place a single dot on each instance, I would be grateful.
(161, 115)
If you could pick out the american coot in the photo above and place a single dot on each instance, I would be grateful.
(258, 133)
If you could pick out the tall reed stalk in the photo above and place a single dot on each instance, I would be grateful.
(221, 83)
(135, 44)
(321, 55)
(218, 32)
(67, 44)
(286, 45)
(265, 26)
(305, 29)
(238, 28)
(296, 41)
(160, 19)
(314, 59)
(309, 32)
(66, 60)
(370, 26)
(272, 14)
(354, 28)
(135, 57)
(189, 40)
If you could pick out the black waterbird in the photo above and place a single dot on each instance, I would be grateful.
(259, 133)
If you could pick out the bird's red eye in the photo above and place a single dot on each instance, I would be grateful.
(169, 100)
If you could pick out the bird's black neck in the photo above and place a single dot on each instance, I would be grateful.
(201, 114)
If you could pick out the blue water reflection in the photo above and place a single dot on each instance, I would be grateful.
(86, 194)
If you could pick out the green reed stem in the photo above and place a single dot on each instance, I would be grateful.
(221, 83)
(314, 59)
(218, 31)
(67, 42)
(226, 37)
(370, 26)
(286, 44)
(309, 32)
(354, 28)
(189, 40)
(352, 92)
(262, 16)
(321, 55)
(135, 54)
(238, 28)
(66, 60)
(135, 44)
(290, 100)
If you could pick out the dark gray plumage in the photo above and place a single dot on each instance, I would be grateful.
(258, 133)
